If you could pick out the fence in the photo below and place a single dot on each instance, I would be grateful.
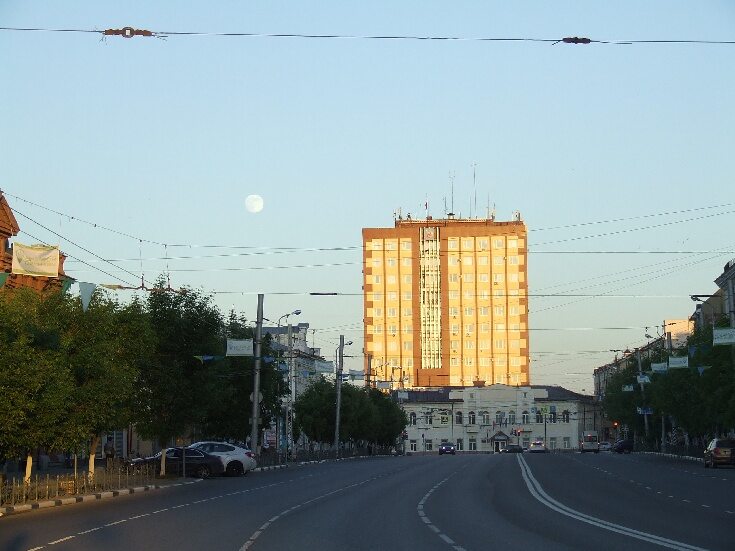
(15, 491)
(272, 458)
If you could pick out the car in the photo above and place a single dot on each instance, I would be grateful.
(198, 463)
(446, 447)
(236, 460)
(512, 448)
(538, 447)
(623, 446)
(720, 451)
(605, 446)
(589, 442)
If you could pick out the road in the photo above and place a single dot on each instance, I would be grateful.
(471, 502)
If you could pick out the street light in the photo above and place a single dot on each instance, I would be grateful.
(338, 382)
(291, 381)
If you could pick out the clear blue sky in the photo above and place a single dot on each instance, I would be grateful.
(164, 139)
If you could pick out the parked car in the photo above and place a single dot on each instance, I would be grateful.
(198, 463)
(538, 447)
(446, 447)
(512, 448)
(236, 460)
(623, 446)
(720, 451)
(605, 446)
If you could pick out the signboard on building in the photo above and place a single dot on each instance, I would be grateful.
(35, 260)
(383, 384)
(723, 335)
(643, 379)
(627, 388)
(239, 347)
(645, 411)
(678, 363)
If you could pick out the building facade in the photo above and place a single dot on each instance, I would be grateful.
(487, 419)
(446, 303)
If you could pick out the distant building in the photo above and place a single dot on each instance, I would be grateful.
(446, 303)
(726, 283)
(487, 419)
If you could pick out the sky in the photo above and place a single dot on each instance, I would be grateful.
(618, 156)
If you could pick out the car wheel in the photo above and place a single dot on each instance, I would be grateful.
(234, 468)
(203, 471)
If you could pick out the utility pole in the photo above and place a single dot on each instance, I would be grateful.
(643, 392)
(338, 381)
(256, 378)
(369, 370)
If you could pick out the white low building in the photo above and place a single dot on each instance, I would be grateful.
(486, 419)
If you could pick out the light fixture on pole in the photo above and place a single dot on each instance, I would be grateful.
(338, 382)
(291, 382)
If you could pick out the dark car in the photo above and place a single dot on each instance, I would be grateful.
(446, 447)
(198, 463)
(720, 451)
(623, 446)
(512, 448)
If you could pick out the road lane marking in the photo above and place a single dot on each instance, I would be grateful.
(60, 540)
(422, 515)
(538, 492)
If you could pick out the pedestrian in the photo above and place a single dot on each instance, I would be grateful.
(109, 453)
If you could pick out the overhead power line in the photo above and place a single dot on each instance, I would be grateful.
(130, 32)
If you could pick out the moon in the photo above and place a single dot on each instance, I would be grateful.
(254, 203)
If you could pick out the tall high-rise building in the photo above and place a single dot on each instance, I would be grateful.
(446, 303)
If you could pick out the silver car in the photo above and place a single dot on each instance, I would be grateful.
(236, 460)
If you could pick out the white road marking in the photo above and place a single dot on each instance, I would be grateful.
(538, 492)
(116, 522)
(62, 539)
(422, 515)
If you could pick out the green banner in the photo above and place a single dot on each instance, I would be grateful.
(3, 278)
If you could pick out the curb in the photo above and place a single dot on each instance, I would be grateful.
(15, 509)
(674, 456)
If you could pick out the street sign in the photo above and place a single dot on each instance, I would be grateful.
(239, 347)
(659, 367)
(644, 410)
(678, 363)
(643, 379)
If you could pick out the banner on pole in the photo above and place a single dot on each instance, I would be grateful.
(643, 379)
(35, 260)
(239, 347)
(659, 368)
(723, 335)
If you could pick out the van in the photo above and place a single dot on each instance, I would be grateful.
(589, 442)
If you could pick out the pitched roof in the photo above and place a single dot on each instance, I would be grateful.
(8, 224)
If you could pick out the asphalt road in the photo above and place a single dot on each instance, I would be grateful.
(471, 502)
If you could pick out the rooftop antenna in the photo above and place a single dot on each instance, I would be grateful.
(445, 206)
(451, 181)
(474, 182)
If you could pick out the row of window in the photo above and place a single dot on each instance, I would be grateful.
(428, 444)
(392, 312)
(487, 362)
(454, 328)
(452, 243)
(500, 418)
(377, 279)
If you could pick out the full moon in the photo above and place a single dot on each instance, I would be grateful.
(254, 203)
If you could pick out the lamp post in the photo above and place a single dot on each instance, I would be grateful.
(291, 382)
(338, 382)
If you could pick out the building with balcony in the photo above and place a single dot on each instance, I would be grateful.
(446, 303)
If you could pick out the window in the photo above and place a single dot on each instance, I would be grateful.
(454, 345)
(469, 311)
(428, 444)
(515, 362)
(377, 279)
(406, 295)
(552, 443)
(539, 417)
(513, 260)
(469, 328)
(391, 279)
(498, 260)
(453, 311)
(469, 278)
(484, 328)
(406, 245)
(406, 262)
(407, 311)
(377, 297)
(452, 243)
(467, 243)
(499, 415)
(390, 246)
(512, 243)
(453, 278)
(469, 344)
(457, 417)
(454, 294)
(485, 417)
(468, 294)
(565, 416)
(484, 294)
(469, 362)
(378, 312)
(412, 445)
(482, 243)
(513, 310)
(567, 443)
(497, 278)
(407, 345)
(498, 243)
(513, 278)
(473, 444)
(453, 260)
(471, 418)
(483, 278)
(429, 419)
(552, 417)
(377, 244)
(484, 310)
(390, 262)
(500, 344)
(454, 362)
(512, 417)
(484, 362)
(392, 347)
(526, 441)
(482, 261)
(376, 262)
(412, 418)
(500, 327)
(499, 310)
(467, 260)
(524, 418)
(392, 312)
(378, 330)
(460, 444)
(407, 279)
(392, 295)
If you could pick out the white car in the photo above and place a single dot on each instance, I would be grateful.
(538, 447)
(236, 460)
(605, 446)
